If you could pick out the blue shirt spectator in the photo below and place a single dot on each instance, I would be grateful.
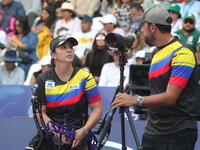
(12, 8)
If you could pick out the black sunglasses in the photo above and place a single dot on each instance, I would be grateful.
(188, 20)
(17, 25)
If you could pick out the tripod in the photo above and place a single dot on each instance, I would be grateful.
(107, 126)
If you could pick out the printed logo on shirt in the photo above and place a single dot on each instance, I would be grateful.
(50, 84)
(190, 39)
(73, 87)
(85, 40)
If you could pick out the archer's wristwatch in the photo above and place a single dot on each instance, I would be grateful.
(140, 100)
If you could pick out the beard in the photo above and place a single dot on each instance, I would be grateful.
(149, 39)
(188, 30)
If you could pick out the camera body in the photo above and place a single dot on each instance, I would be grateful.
(139, 86)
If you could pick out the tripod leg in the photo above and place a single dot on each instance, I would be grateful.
(123, 128)
(132, 128)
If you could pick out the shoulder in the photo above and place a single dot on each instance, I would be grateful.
(183, 44)
(179, 31)
(46, 75)
(16, 4)
(83, 71)
(32, 33)
(20, 70)
(76, 19)
(108, 65)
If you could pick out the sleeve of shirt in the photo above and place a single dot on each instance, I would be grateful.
(183, 65)
(40, 90)
(91, 90)
(31, 44)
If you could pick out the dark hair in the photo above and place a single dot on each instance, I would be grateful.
(137, 6)
(24, 24)
(110, 3)
(119, 2)
(162, 28)
(77, 62)
(52, 16)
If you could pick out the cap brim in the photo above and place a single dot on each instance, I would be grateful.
(10, 59)
(103, 22)
(73, 41)
(138, 19)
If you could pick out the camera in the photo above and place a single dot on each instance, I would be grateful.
(139, 85)
(115, 40)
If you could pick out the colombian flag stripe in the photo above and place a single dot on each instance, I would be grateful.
(63, 102)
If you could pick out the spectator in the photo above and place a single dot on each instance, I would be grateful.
(69, 23)
(33, 9)
(139, 56)
(174, 11)
(191, 6)
(110, 25)
(151, 3)
(138, 45)
(189, 34)
(55, 4)
(44, 27)
(98, 56)
(86, 7)
(12, 8)
(10, 73)
(85, 37)
(45, 63)
(7, 23)
(122, 12)
(136, 10)
(26, 41)
(106, 7)
(110, 74)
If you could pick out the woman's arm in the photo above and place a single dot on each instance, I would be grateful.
(91, 122)
(32, 80)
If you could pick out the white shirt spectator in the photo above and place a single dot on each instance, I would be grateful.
(85, 41)
(110, 75)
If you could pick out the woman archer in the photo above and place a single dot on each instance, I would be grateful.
(66, 90)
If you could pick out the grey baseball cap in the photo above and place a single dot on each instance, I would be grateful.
(157, 15)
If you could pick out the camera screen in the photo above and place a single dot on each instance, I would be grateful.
(138, 77)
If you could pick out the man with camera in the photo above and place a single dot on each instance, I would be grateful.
(173, 105)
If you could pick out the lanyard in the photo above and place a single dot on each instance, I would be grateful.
(190, 5)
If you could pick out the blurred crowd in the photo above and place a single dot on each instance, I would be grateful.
(28, 26)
